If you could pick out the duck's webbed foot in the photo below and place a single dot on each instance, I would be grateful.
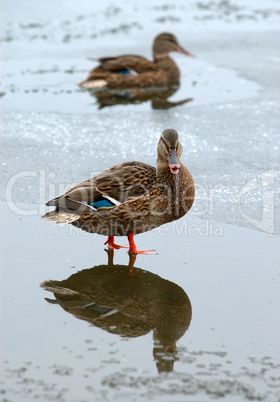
(112, 245)
(132, 246)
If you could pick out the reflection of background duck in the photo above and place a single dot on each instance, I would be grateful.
(108, 297)
(157, 96)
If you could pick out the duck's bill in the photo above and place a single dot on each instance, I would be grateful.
(174, 168)
(173, 162)
(180, 49)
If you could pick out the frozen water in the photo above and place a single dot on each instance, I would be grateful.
(230, 131)
(227, 154)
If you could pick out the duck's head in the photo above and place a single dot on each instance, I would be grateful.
(165, 43)
(169, 151)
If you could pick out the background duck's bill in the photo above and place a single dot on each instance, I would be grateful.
(180, 49)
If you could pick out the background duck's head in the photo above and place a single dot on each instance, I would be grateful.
(165, 43)
(169, 151)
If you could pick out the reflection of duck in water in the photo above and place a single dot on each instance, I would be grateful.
(130, 198)
(157, 96)
(131, 71)
(108, 297)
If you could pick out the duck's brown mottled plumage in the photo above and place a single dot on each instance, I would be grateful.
(129, 71)
(147, 197)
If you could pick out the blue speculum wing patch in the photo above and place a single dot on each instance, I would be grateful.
(102, 203)
(125, 72)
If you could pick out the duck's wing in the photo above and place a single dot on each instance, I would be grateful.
(126, 64)
(123, 72)
(108, 188)
(127, 180)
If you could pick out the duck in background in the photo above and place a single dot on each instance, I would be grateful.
(132, 71)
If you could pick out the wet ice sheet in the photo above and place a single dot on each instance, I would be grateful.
(231, 151)
(230, 131)
(230, 349)
(53, 87)
(45, 53)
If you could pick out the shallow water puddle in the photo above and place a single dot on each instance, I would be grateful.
(212, 296)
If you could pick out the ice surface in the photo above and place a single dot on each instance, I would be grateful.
(228, 148)
(230, 131)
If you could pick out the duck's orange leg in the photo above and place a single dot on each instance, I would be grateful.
(112, 245)
(133, 248)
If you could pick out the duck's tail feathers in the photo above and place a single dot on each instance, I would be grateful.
(93, 84)
(66, 211)
(60, 217)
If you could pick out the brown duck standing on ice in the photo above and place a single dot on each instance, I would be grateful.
(130, 198)
(131, 71)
